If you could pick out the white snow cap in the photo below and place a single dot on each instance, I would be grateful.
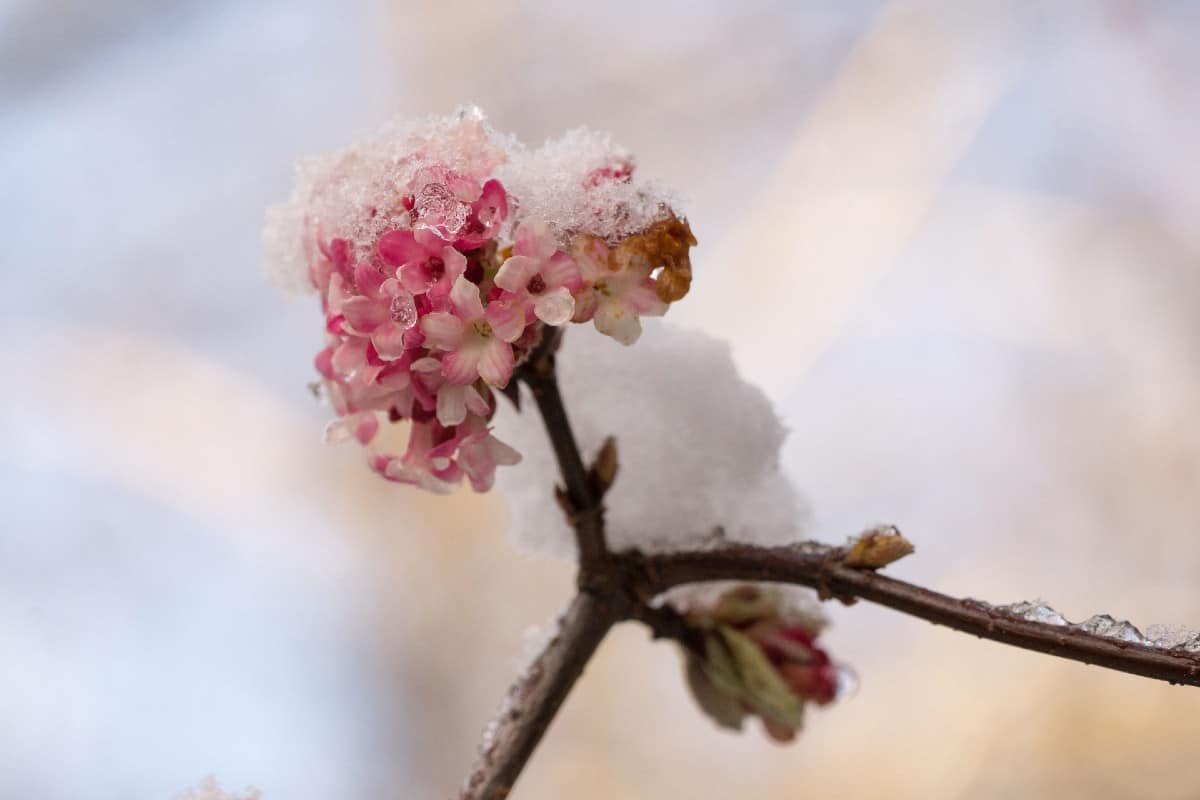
(698, 447)
(580, 183)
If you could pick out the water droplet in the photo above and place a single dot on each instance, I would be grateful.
(1034, 612)
(847, 682)
(1170, 636)
(1105, 625)
(403, 310)
(338, 430)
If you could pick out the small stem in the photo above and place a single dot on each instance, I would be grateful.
(665, 622)
(818, 566)
(586, 510)
(535, 697)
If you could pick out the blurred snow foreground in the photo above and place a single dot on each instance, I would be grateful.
(209, 789)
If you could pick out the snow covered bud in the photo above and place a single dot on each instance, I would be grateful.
(877, 548)
(760, 658)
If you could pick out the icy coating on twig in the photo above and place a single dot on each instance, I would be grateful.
(1167, 637)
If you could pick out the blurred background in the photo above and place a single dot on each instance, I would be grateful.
(956, 242)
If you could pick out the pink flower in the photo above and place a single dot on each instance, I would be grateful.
(426, 263)
(453, 400)
(362, 426)
(439, 456)
(424, 463)
(475, 340)
(539, 277)
(385, 317)
(480, 453)
(613, 297)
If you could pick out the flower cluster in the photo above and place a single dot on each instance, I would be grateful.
(759, 656)
(436, 281)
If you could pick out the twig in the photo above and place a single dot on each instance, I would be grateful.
(536, 696)
(818, 566)
(583, 505)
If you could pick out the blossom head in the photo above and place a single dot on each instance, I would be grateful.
(439, 251)
(759, 657)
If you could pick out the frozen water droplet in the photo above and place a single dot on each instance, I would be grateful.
(847, 683)
(1034, 612)
(1104, 625)
(1170, 636)
(555, 308)
(404, 310)
(338, 430)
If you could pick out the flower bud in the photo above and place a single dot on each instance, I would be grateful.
(759, 658)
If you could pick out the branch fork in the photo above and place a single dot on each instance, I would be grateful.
(615, 587)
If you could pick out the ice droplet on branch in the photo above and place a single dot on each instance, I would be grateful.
(1167, 637)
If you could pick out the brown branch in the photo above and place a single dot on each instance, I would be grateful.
(666, 623)
(536, 696)
(819, 566)
(582, 502)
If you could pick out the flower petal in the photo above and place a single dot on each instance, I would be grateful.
(349, 356)
(400, 247)
(368, 279)
(461, 367)
(534, 239)
(452, 405)
(617, 320)
(585, 305)
(492, 206)
(416, 276)
(507, 318)
(515, 273)
(644, 300)
(442, 330)
(503, 454)
(388, 339)
(561, 270)
(364, 314)
(464, 299)
(475, 402)
(454, 262)
(495, 361)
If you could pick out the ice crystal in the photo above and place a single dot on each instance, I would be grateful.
(1107, 626)
(1173, 636)
(1037, 611)
(1167, 637)
(584, 183)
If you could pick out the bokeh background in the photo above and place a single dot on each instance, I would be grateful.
(958, 243)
